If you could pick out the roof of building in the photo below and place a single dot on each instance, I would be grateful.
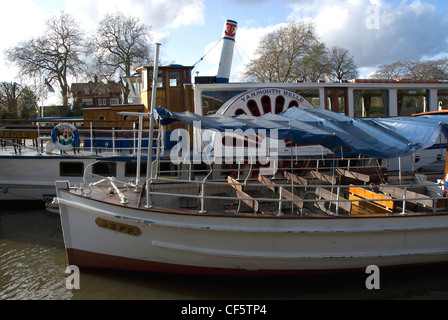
(97, 87)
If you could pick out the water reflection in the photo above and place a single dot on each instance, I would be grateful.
(33, 265)
(32, 256)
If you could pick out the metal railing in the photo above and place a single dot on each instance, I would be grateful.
(93, 140)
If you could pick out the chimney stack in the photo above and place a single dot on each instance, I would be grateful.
(225, 64)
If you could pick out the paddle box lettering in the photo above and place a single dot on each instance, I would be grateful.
(18, 134)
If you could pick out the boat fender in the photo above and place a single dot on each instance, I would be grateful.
(65, 144)
(49, 147)
(445, 183)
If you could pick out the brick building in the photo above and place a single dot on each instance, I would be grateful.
(97, 94)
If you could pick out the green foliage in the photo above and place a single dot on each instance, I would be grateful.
(17, 101)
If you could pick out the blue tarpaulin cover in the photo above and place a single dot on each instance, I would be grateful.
(372, 137)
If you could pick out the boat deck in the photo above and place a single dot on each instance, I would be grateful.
(316, 195)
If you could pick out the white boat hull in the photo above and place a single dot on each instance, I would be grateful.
(102, 235)
(32, 178)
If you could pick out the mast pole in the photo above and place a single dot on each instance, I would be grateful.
(149, 170)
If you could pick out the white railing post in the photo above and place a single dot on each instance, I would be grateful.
(91, 139)
(151, 124)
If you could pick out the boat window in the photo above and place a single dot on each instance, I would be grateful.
(213, 100)
(329, 98)
(159, 79)
(371, 103)
(188, 76)
(131, 169)
(442, 99)
(336, 100)
(411, 101)
(311, 95)
(174, 79)
(71, 169)
(106, 169)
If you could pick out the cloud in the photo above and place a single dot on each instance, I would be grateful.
(18, 27)
(406, 31)
(160, 14)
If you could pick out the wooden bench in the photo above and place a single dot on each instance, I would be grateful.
(332, 200)
(370, 202)
(285, 194)
(295, 179)
(414, 197)
(324, 177)
(363, 176)
(247, 197)
(300, 181)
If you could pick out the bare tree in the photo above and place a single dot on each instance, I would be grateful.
(431, 69)
(342, 65)
(417, 70)
(119, 43)
(279, 53)
(315, 65)
(53, 56)
(391, 71)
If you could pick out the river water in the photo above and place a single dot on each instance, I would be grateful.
(33, 264)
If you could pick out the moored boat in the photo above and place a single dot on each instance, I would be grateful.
(339, 213)
(331, 219)
(102, 234)
(28, 173)
(36, 153)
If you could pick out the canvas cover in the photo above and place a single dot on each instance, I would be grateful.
(372, 137)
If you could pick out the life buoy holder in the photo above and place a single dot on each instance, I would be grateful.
(70, 140)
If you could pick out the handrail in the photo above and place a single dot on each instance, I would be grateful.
(99, 138)
(280, 200)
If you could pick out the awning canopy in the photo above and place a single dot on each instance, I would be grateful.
(372, 137)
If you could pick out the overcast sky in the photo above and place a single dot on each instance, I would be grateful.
(374, 31)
